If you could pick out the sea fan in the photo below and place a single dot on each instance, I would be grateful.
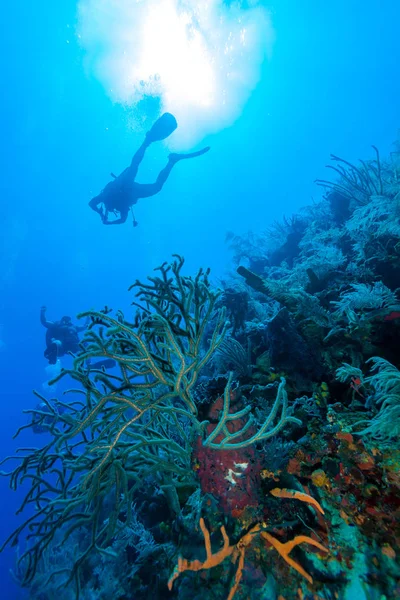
(364, 296)
(346, 373)
(385, 426)
(372, 224)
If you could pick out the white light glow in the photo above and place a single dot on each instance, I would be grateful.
(201, 58)
(173, 53)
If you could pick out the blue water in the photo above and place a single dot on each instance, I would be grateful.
(331, 84)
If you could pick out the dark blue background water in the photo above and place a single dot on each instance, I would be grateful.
(331, 85)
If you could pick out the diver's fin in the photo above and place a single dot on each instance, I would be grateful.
(175, 157)
(162, 128)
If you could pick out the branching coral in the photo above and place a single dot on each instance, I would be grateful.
(222, 439)
(285, 493)
(126, 426)
(357, 183)
(237, 553)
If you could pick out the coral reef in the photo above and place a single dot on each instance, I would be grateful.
(246, 442)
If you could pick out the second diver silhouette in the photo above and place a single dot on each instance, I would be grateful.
(123, 192)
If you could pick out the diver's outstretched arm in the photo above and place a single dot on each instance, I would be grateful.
(43, 319)
(95, 204)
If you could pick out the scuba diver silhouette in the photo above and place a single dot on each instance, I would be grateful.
(123, 192)
(61, 336)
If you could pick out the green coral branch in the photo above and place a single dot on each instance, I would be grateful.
(267, 430)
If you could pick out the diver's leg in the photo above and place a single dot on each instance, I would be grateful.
(145, 190)
(132, 170)
(53, 351)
